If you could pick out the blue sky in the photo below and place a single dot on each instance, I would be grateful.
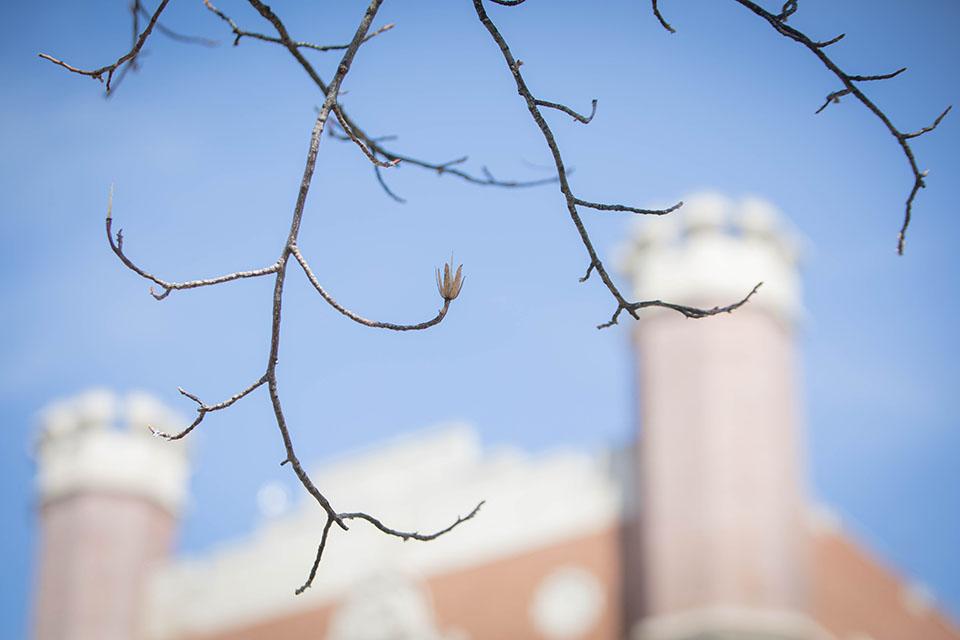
(206, 146)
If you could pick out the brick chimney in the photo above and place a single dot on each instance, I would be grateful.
(720, 456)
(108, 504)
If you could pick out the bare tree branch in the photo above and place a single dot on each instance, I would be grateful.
(412, 535)
(620, 207)
(595, 264)
(882, 76)
(449, 286)
(138, 9)
(936, 123)
(449, 280)
(570, 112)
(386, 189)
(372, 143)
(849, 82)
(167, 287)
(110, 69)
(240, 33)
(363, 147)
(827, 43)
(204, 409)
(404, 535)
(316, 561)
(663, 23)
(690, 312)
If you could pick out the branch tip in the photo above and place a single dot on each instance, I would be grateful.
(663, 23)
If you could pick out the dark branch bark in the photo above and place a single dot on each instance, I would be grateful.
(204, 409)
(404, 535)
(358, 318)
(595, 264)
(110, 69)
(372, 143)
(663, 23)
(449, 286)
(850, 88)
(116, 245)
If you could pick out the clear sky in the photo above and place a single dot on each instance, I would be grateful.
(206, 148)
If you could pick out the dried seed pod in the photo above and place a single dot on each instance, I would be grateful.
(450, 284)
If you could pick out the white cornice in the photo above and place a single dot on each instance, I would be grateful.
(416, 483)
(80, 450)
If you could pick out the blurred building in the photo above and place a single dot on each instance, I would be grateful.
(703, 530)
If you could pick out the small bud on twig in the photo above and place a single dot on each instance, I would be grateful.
(449, 286)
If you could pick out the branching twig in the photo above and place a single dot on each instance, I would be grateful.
(850, 88)
(170, 33)
(372, 143)
(572, 202)
(386, 189)
(110, 69)
(449, 286)
(363, 147)
(833, 98)
(204, 409)
(240, 33)
(690, 312)
(450, 280)
(383, 528)
(412, 535)
(117, 246)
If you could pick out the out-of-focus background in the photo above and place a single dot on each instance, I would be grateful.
(205, 147)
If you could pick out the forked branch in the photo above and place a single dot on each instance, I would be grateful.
(116, 244)
(449, 286)
(110, 69)
(572, 202)
(849, 82)
(370, 143)
(403, 535)
(203, 409)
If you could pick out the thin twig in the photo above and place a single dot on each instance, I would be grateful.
(570, 112)
(358, 318)
(363, 147)
(383, 528)
(316, 561)
(203, 409)
(663, 23)
(116, 244)
(412, 535)
(621, 207)
(386, 189)
(174, 35)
